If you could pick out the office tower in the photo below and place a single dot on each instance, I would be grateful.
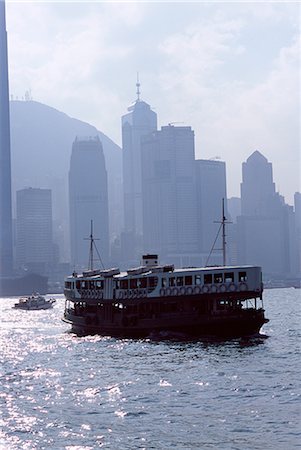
(169, 194)
(139, 121)
(234, 208)
(88, 200)
(258, 194)
(266, 227)
(34, 250)
(297, 204)
(211, 190)
(6, 254)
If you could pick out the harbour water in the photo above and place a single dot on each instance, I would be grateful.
(58, 391)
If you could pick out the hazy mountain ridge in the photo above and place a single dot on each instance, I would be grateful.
(42, 136)
(41, 144)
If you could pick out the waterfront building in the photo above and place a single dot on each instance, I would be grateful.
(139, 121)
(169, 194)
(6, 247)
(34, 247)
(88, 201)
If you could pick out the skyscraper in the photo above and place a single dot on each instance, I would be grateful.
(266, 227)
(211, 190)
(169, 194)
(88, 200)
(139, 121)
(258, 194)
(34, 249)
(6, 255)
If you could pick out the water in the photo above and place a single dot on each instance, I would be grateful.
(58, 391)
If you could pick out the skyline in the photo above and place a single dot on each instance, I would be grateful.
(230, 71)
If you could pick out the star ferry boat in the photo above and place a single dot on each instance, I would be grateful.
(222, 301)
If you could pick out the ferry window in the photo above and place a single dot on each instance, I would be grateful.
(83, 285)
(143, 282)
(67, 285)
(229, 277)
(124, 284)
(171, 282)
(242, 276)
(198, 279)
(163, 282)
(99, 284)
(91, 285)
(78, 285)
(133, 283)
(188, 280)
(208, 278)
(218, 278)
(179, 281)
(152, 282)
(117, 284)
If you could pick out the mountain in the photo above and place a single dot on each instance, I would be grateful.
(41, 143)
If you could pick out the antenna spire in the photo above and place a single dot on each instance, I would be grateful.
(138, 88)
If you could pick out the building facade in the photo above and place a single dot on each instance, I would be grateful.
(6, 246)
(139, 121)
(88, 201)
(169, 194)
(211, 190)
(266, 227)
(34, 246)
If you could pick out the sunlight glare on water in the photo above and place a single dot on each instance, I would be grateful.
(60, 391)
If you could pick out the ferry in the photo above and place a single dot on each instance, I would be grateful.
(153, 299)
(34, 302)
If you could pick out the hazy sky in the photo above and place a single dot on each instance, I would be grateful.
(230, 70)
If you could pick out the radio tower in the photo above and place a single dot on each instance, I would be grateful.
(6, 253)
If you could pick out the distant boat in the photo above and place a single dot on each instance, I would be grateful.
(34, 302)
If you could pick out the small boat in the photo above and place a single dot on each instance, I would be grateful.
(34, 302)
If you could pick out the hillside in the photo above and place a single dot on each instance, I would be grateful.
(41, 143)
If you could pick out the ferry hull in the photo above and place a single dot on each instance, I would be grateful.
(245, 324)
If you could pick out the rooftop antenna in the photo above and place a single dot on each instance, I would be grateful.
(138, 88)
(92, 247)
(222, 223)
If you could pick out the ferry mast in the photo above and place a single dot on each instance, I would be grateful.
(222, 227)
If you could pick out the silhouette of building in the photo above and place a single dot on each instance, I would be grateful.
(88, 200)
(211, 190)
(266, 228)
(234, 208)
(6, 248)
(34, 249)
(138, 122)
(169, 194)
(297, 205)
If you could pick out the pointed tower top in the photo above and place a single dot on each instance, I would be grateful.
(138, 88)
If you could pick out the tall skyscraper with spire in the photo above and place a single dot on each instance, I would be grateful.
(6, 253)
(139, 121)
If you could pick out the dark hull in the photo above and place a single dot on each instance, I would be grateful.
(248, 322)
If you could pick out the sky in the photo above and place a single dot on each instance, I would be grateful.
(230, 70)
